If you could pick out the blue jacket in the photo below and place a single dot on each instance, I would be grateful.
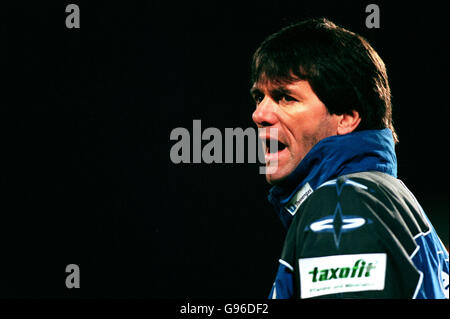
(354, 229)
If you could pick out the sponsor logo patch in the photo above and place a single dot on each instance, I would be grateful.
(298, 199)
(337, 224)
(342, 273)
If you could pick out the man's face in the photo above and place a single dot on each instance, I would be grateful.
(300, 118)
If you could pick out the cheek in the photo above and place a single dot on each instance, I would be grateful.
(310, 133)
(309, 140)
(306, 122)
(298, 126)
(304, 132)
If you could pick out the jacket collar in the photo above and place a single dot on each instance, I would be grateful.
(370, 150)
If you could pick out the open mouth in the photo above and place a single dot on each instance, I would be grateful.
(274, 146)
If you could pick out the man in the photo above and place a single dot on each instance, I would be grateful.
(354, 229)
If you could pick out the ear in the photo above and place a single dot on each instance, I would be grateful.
(348, 122)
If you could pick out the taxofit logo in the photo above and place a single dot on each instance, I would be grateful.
(356, 271)
(341, 273)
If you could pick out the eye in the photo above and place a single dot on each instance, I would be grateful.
(258, 97)
(286, 99)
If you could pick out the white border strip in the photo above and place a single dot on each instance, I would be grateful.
(281, 261)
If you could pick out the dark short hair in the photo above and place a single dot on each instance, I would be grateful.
(343, 69)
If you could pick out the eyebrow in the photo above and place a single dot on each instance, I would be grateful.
(281, 90)
(254, 90)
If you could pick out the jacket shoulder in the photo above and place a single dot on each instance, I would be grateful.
(387, 209)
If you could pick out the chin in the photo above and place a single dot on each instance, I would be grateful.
(276, 178)
(280, 174)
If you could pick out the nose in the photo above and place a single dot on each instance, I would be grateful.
(265, 115)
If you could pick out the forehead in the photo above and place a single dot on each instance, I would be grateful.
(278, 86)
(264, 82)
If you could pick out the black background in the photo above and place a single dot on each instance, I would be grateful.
(85, 121)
